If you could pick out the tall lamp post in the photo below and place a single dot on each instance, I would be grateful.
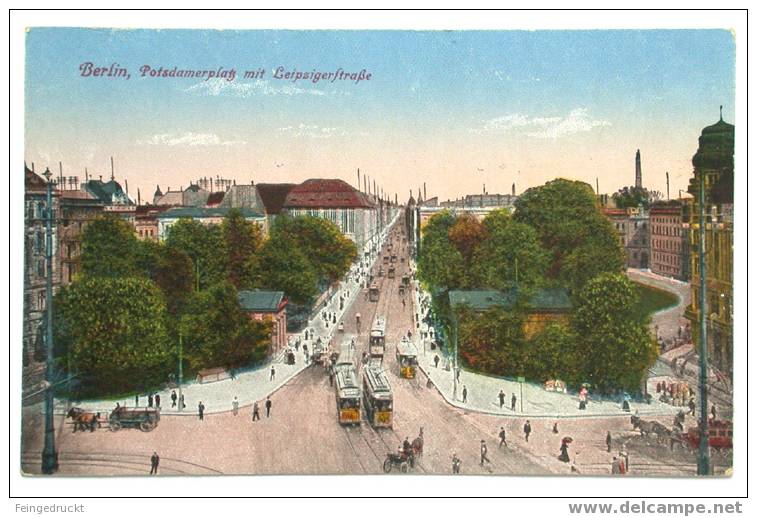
(49, 453)
(703, 462)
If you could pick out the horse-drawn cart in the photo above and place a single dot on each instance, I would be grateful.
(146, 419)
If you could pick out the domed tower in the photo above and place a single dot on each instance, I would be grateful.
(713, 163)
(158, 194)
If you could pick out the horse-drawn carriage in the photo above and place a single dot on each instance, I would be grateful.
(720, 436)
(144, 418)
(406, 458)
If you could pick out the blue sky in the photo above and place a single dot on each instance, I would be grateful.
(452, 108)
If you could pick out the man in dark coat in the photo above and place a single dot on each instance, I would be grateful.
(608, 441)
(201, 410)
(502, 437)
(465, 394)
(527, 429)
(267, 407)
(501, 399)
(157, 400)
(513, 400)
(173, 398)
(154, 462)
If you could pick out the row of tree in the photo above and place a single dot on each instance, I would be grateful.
(119, 323)
(556, 237)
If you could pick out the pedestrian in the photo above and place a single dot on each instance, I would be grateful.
(713, 412)
(136, 400)
(455, 464)
(513, 400)
(436, 361)
(182, 405)
(201, 410)
(484, 450)
(235, 406)
(403, 302)
(501, 399)
(154, 462)
(692, 407)
(267, 407)
(615, 465)
(273, 372)
(306, 334)
(157, 401)
(527, 429)
(149, 400)
(608, 441)
(173, 398)
(564, 451)
(554, 429)
(331, 378)
(255, 411)
(465, 394)
(502, 437)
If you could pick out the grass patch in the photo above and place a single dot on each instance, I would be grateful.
(653, 300)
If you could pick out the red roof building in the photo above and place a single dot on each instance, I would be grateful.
(326, 193)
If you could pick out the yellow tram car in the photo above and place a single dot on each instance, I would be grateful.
(347, 396)
(377, 397)
(407, 359)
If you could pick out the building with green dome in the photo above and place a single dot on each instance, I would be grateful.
(714, 161)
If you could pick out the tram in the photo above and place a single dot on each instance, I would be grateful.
(377, 343)
(377, 397)
(373, 292)
(347, 395)
(407, 358)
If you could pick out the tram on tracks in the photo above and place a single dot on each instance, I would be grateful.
(377, 397)
(407, 359)
(377, 341)
(347, 395)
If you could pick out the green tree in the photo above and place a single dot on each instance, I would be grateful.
(170, 268)
(441, 266)
(216, 332)
(241, 240)
(568, 220)
(112, 332)
(632, 197)
(203, 244)
(509, 246)
(553, 353)
(329, 251)
(109, 248)
(281, 265)
(492, 342)
(616, 346)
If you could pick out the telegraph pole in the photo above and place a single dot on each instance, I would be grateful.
(703, 462)
(49, 453)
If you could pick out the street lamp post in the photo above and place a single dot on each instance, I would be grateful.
(49, 453)
(703, 463)
(181, 370)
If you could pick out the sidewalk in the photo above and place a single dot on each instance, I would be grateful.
(535, 401)
(253, 385)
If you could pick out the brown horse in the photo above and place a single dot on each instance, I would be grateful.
(83, 419)
(418, 445)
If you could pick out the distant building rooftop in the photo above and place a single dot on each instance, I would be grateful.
(549, 299)
(326, 193)
(274, 196)
(196, 212)
(260, 301)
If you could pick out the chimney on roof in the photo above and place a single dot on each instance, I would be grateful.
(32, 166)
(139, 197)
(86, 175)
(358, 178)
(112, 170)
(60, 173)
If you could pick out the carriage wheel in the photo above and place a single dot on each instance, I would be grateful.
(388, 465)
(115, 426)
(146, 427)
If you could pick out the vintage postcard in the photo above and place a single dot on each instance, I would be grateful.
(388, 252)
